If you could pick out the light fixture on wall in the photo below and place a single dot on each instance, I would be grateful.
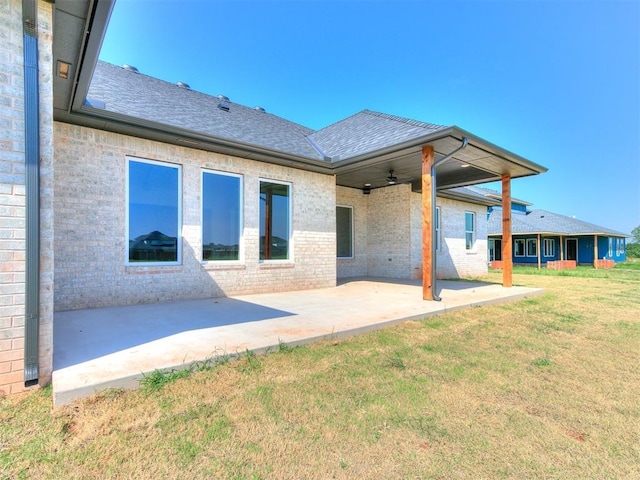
(391, 179)
(366, 189)
(63, 69)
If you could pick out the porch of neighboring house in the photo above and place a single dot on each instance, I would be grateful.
(114, 347)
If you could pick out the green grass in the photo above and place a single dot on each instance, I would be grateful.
(542, 388)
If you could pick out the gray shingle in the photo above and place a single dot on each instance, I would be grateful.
(368, 131)
(542, 221)
(141, 96)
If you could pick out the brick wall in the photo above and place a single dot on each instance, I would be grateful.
(356, 266)
(453, 259)
(12, 196)
(90, 220)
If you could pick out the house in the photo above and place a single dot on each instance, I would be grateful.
(119, 188)
(540, 237)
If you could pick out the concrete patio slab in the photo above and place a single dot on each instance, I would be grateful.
(113, 347)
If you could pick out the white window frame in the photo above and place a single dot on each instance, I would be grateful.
(620, 246)
(472, 232)
(353, 246)
(290, 232)
(178, 167)
(549, 246)
(437, 223)
(610, 247)
(515, 248)
(240, 260)
(531, 241)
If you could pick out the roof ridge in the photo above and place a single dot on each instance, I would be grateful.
(408, 121)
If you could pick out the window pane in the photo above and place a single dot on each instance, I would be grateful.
(519, 248)
(532, 250)
(468, 219)
(344, 233)
(221, 200)
(274, 221)
(153, 212)
(469, 227)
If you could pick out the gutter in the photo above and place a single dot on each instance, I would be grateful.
(465, 142)
(32, 192)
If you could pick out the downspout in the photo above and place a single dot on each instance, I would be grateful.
(465, 142)
(32, 191)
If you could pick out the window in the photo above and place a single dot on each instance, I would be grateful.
(153, 212)
(532, 247)
(518, 247)
(549, 247)
(275, 220)
(344, 231)
(438, 229)
(610, 247)
(221, 216)
(620, 247)
(469, 229)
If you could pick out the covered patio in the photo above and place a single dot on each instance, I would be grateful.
(114, 347)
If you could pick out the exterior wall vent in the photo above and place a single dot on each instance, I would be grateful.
(222, 98)
(183, 85)
(131, 68)
(260, 109)
(223, 106)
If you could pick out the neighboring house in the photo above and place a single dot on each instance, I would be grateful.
(119, 188)
(540, 236)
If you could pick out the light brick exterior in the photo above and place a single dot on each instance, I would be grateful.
(12, 196)
(90, 219)
(388, 235)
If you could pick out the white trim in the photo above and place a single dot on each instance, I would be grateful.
(473, 232)
(290, 232)
(178, 167)
(353, 242)
(553, 247)
(241, 252)
(535, 242)
(438, 227)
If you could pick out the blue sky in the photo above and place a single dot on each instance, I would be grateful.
(555, 82)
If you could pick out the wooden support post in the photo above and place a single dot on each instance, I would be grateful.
(427, 222)
(507, 243)
(595, 251)
(539, 250)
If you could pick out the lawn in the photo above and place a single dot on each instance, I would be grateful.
(547, 387)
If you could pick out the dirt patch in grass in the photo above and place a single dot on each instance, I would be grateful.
(543, 388)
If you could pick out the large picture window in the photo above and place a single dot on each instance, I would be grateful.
(153, 212)
(221, 216)
(518, 247)
(532, 247)
(344, 231)
(469, 229)
(275, 220)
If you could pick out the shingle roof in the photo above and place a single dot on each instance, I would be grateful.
(122, 91)
(141, 96)
(367, 131)
(542, 221)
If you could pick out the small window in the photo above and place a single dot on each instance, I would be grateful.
(275, 220)
(610, 247)
(153, 212)
(620, 246)
(438, 229)
(549, 247)
(518, 249)
(469, 229)
(344, 231)
(532, 247)
(221, 216)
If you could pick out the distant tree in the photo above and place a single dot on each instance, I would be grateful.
(633, 248)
